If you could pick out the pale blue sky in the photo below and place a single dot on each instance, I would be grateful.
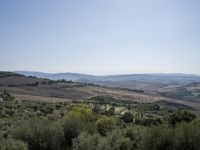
(100, 36)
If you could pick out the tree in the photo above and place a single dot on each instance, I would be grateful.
(12, 144)
(135, 136)
(148, 121)
(72, 128)
(111, 111)
(7, 96)
(41, 134)
(113, 141)
(127, 117)
(180, 116)
(81, 112)
(157, 138)
(187, 136)
(118, 141)
(106, 124)
(97, 109)
(86, 141)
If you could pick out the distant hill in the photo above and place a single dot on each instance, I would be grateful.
(146, 82)
(7, 74)
(15, 79)
(59, 76)
(40, 89)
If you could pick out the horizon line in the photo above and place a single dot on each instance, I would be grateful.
(117, 74)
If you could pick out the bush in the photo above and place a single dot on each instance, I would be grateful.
(86, 141)
(134, 135)
(113, 141)
(111, 111)
(157, 138)
(106, 124)
(127, 117)
(187, 136)
(117, 140)
(97, 109)
(41, 134)
(180, 116)
(7, 96)
(148, 121)
(11, 144)
(81, 112)
(72, 128)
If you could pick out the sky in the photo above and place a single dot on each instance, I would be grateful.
(100, 37)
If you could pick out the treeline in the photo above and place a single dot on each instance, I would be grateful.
(42, 82)
(80, 126)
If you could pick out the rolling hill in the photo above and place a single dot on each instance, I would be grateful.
(146, 82)
(39, 89)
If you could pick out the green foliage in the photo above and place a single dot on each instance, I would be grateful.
(187, 136)
(81, 112)
(41, 134)
(72, 128)
(115, 140)
(12, 144)
(134, 133)
(180, 116)
(79, 126)
(127, 117)
(7, 96)
(106, 124)
(97, 109)
(111, 111)
(157, 138)
(148, 121)
(86, 141)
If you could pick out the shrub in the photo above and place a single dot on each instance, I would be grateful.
(148, 121)
(187, 136)
(86, 141)
(113, 141)
(117, 140)
(81, 112)
(41, 134)
(11, 144)
(7, 96)
(106, 124)
(157, 138)
(97, 109)
(127, 117)
(111, 111)
(134, 134)
(72, 128)
(180, 116)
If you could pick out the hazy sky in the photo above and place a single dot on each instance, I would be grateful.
(100, 36)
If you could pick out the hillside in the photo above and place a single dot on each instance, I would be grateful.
(44, 114)
(32, 88)
(190, 92)
(147, 82)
